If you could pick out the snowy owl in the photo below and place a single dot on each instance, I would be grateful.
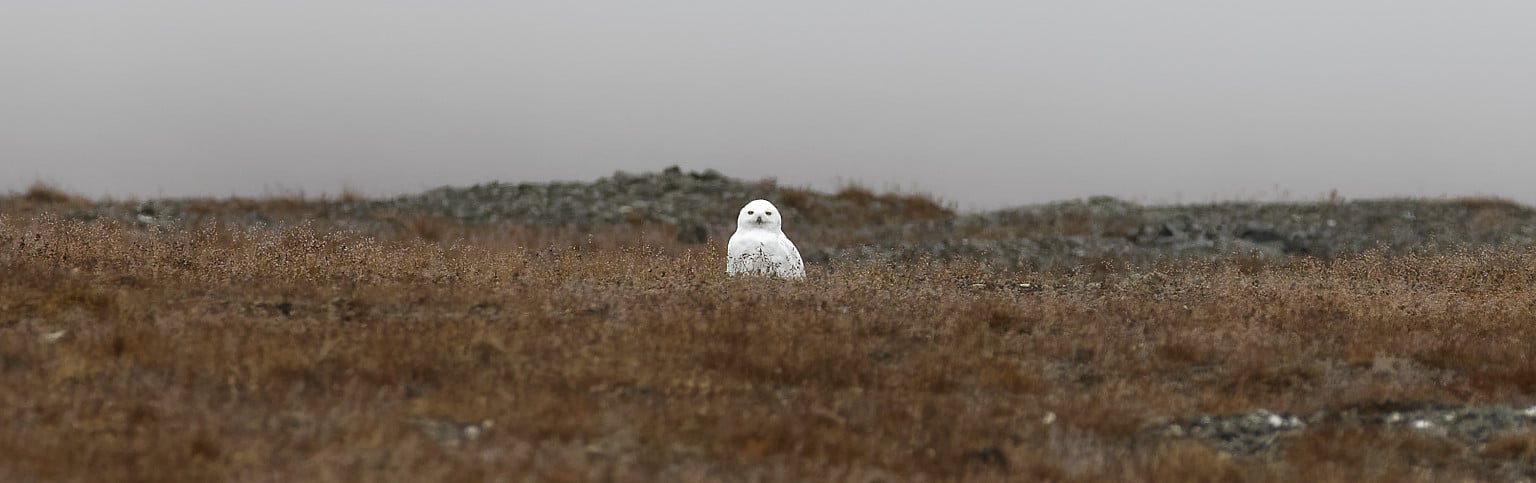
(759, 246)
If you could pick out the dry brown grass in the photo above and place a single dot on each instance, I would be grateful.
(40, 197)
(41, 192)
(855, 205)
(292, 353)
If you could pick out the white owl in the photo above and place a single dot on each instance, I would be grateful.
(759, 246)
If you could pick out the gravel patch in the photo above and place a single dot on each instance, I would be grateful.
(1262, 434)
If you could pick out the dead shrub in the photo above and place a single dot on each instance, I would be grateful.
(40, 192)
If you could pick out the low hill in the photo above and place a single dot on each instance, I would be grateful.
(856, 223)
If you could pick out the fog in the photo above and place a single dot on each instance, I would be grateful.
(983, 103)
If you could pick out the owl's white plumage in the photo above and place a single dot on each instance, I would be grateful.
(759, 246)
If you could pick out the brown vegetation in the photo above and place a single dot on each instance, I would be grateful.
(41, 192)
(857, 206)
(434, 352)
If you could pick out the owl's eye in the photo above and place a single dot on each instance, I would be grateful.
(750, 212)
(769, 213)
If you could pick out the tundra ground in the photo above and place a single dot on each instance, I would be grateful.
(307, 352)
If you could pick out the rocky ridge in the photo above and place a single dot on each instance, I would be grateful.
(855, 224)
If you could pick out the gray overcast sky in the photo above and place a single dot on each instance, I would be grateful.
(985, 103)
